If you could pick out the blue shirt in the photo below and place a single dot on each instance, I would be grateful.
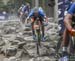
(72, 9)
(24, 9)
(40, 12)
(68, 5)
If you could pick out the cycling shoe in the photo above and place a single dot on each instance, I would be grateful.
(43, 39)
(34, 37)
(65, 58)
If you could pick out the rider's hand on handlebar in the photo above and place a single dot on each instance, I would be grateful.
(72, 32)
(27, 18)
(46, 19)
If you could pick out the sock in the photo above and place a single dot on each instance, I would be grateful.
(64, 49)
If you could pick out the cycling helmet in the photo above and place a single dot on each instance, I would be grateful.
(36, 9)
(27, 4)
(22, 5)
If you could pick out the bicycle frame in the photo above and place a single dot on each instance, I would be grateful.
(37, 28)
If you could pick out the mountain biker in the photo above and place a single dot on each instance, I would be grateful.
(24, 12)
(69, 18)
(37, 12)
(19, 10)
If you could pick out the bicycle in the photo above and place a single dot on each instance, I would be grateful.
(38, 33)
(72, 45)
(70, 50)
(23, 17)
(37, 29)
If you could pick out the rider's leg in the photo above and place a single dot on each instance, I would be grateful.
(42, 30)
(41, 20)
(32, 23)
(65, 41)
(23, 19)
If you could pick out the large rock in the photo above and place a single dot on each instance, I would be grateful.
(12, 59)
(11, 51)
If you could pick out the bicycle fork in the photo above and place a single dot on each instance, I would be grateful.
(38, 40)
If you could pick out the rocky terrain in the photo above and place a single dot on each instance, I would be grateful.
(17, 44)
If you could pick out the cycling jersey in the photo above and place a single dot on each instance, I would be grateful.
(40, 12)
(25, 9)
(67, 8)
(72, 9)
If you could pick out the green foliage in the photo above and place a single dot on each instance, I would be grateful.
(1, 4)
(15, 4)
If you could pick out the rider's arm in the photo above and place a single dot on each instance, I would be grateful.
(67, 21)
(31, 13)
(68, 17)
(46, 18)
(22, 11)
(23, 8)
(42, 13)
